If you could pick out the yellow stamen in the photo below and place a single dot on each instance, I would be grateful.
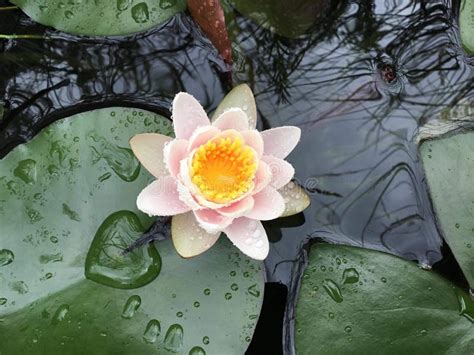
(223, 169)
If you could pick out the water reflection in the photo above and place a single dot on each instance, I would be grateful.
(359, 85)
(43, 80)
(360, 93)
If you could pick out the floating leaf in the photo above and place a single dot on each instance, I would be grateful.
(66, 285)
(101, 18)
(449, 167)
(287, 18)
(466, 25)
(394, 307)
(209, 15)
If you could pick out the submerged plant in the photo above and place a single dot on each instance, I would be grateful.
(218, 177)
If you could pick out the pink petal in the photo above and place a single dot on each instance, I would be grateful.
(148, 148)
(174, 152)
(280, 141)
(233, 118)
(249, 236)
(211, 221)
(189, 238)
(188, 115)
(263, 176)
(269, 204)
(201, 136)
(282, 171)
(253, 138)
(186, 196)
(161, 198)
(237, 209)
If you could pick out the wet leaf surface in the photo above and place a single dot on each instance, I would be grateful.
(101, 18)
(393, 305)
(64, 274)
(466, 24)
(286, 18)
(449, 166)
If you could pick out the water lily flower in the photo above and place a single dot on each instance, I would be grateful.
(220, 176)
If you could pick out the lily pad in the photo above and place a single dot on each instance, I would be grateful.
(449, 167)
(67, 202)
(101, 18)
(286, 18)
(466, 25)
(359, 301)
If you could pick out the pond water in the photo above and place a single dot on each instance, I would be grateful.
(361, 82)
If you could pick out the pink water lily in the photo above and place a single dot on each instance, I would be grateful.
(223, 176)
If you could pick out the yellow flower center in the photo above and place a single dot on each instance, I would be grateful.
(223, 169)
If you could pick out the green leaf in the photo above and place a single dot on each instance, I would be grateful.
(286, 18)
(360, 301)
(466, 25)
(101, 18)
(67, 213)
(449, 167)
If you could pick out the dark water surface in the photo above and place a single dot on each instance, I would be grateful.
(359, 85)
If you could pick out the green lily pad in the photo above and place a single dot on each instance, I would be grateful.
(101, 18)
(449, 167)
(289, 19)
(359, 301)
(67, 213)
(466, 25)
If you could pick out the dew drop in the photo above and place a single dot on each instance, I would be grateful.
(60, 314)
(6, 257)
(234, 287)
(19, 286)
(174, 338)
(26, 171)
(3, 301)
(50, 258)
(197, 350)
(350, 276)
(196, 304)
(179, 314)
(152, 331)
(205, 340)
(333, 290)
(207, 291)
(140, 14)
(228, 296)
(131, 306)
(348, 329)
(166, 4)
(122, 5)
(254, 290)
